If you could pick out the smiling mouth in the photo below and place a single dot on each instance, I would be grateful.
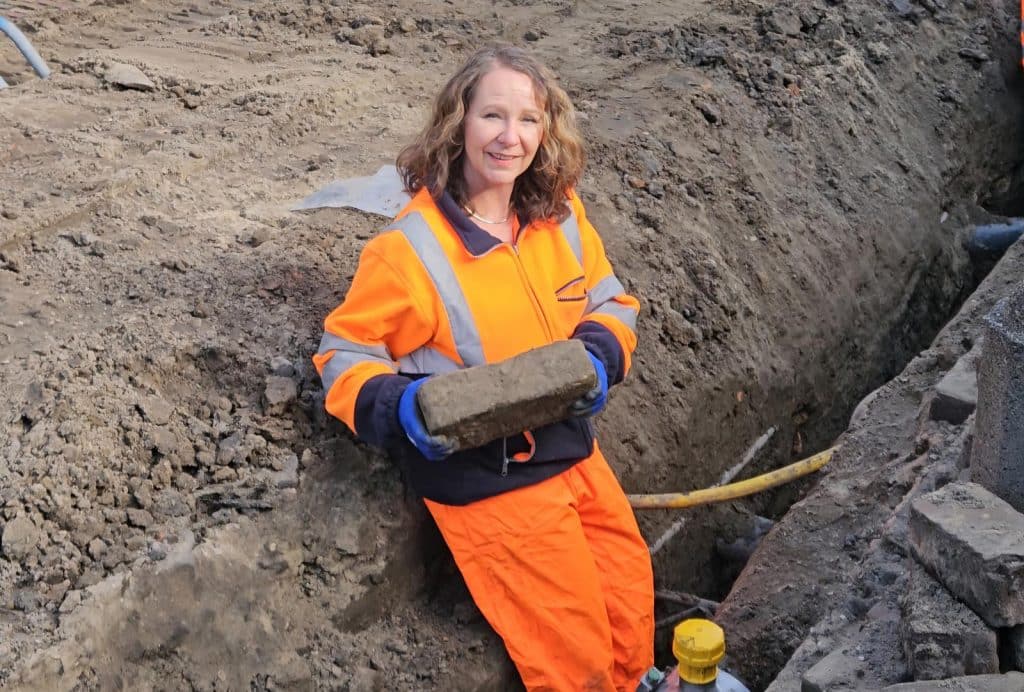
(502, 157)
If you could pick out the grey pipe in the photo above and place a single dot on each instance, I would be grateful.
(23, 44)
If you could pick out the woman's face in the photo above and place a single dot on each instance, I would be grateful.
(501, 131)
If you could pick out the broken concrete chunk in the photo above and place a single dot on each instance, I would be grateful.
(1011, 682)
(1012, 648)
(956, 395)
(128, 77)
(973, 542)
(477, 405)
(943, 638)
(997, 456)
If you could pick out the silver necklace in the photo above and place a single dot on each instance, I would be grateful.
(493, 223)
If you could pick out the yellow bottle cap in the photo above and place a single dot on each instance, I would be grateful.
(698, 646)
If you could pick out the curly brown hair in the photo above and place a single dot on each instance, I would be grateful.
(434, 159)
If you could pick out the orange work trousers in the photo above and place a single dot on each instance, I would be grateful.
(562, 574)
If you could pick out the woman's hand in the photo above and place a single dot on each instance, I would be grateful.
(594, 400)
(433, 447)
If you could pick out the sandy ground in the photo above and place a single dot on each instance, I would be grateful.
(784, 186)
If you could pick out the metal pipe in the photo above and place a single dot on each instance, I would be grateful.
(23, 44)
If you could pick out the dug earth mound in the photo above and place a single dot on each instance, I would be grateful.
(784, 186)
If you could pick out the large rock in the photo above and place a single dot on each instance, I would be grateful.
(943, 638)
(1012, 651)
(477, 405)
(997, 456)
(867, 660)
(1011, 682)
(973, 542)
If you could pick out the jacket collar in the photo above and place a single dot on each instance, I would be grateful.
(475, 239)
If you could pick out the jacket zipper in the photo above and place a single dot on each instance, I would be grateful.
(548, 331)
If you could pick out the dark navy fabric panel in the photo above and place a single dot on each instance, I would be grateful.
(376, 416)
(600, 341)
(475, 239)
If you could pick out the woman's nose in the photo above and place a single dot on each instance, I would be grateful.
(510, 133)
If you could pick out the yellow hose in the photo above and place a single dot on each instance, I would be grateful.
(732, 491)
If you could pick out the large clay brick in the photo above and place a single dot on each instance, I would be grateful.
(973, 543)
(943, 638)
(484, 403)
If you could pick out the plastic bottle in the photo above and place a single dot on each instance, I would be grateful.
(698, 646)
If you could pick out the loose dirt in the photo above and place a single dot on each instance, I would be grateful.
(783, 185)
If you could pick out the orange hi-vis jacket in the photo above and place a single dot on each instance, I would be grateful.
(434, 293)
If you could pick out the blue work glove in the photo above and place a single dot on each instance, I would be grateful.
(594, 400)
(433, 447)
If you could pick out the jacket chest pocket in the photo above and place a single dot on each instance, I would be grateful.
(570, 302)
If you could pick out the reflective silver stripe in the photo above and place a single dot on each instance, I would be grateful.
(346, 354)
(330, 342)
(601, 301)
(427, 361)
(623, 314)
(571, 231)
(467, 339)
(606, 289)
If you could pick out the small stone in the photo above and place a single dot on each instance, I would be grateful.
(71, 601)
(288, 476)
(229, 449)
(128, 77)
(20, 537)
(279, 392)
(155, 410)
(26, 600)
(169, 503)
(407, 25)
(346, 540)
(784, 20)
(531, 35)
(710, 113)
(139, 517)
(97, 548)
(973, 54)
(904, 9)
(224, 474)
(282, 367)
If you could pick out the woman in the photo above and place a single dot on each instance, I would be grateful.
(494, 256)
